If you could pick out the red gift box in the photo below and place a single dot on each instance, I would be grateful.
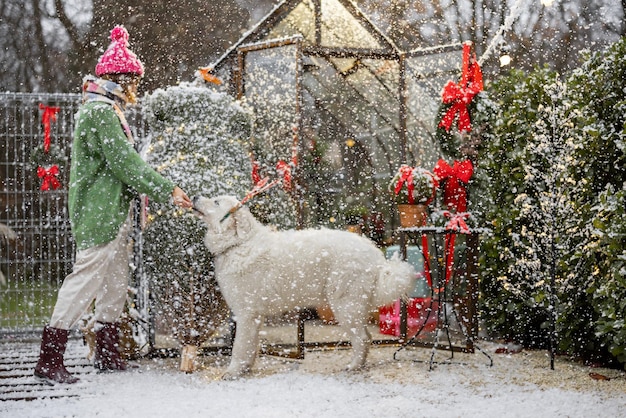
(417, 313)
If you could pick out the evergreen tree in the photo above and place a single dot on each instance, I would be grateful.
(595, 310)
(510, 309)
(199, 140)
(590, 120)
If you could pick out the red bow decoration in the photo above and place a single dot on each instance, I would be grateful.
(406, 176)
(462, 94)
(454, 192)
(457, 222)
(283, 168)
(49, 177)
(49, 116)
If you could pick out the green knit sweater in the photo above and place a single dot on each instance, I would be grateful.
(105, 168)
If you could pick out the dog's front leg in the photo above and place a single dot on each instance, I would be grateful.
(245, 346)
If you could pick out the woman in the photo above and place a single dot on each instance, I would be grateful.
(105, 173)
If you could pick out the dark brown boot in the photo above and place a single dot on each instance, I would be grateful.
(50, 367)
(107, 356)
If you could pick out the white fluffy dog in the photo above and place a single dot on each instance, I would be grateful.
(265, 272)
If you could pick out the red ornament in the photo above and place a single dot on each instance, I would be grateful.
(460, 95)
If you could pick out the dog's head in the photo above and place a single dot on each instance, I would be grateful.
(213, 211)
(225, 227)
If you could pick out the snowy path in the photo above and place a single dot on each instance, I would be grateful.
(518, 385)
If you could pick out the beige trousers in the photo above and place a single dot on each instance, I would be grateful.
(100, 273)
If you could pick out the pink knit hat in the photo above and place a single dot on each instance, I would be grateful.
(118, 59)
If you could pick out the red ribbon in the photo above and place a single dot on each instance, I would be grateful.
(461, 94)
(256, 176)
(406, 176)
(49, 177)
(454, 178)
(456, 225)
(448, 257)
(49, 116)
(426, 255)
(457, 222)
(284, 170)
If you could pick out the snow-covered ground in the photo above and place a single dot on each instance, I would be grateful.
(518, 385)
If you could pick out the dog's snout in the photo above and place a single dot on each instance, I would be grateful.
(195, 201)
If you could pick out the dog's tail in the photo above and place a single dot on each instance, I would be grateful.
(396, 280)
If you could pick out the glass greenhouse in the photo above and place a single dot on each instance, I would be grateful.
(321, 76)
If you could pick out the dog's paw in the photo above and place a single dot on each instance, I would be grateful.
(232, 376)
(234, 373)
(352, 368)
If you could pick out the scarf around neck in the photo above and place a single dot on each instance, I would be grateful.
(101, 90)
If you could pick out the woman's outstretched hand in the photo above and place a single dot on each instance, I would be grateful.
(180, 198)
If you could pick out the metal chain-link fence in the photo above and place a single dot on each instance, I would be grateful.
(36, 245)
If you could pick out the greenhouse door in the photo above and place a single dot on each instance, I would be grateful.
(269, 79)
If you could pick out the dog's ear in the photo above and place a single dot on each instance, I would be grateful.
(244, 222)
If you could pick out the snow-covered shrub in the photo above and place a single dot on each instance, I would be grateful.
(198, 139)
(608, 279)
(513, 307)
(588, 231)
(597, 309)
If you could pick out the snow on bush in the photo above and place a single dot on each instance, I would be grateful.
(556, 174)
(198, 139)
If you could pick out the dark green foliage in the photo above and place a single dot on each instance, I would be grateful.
(598, 90)
(510, 308)
(591, 267)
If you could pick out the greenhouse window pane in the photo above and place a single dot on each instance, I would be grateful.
(270, 89)
(341, 29)
(300, 21)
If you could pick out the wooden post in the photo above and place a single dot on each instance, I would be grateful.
(188, 356)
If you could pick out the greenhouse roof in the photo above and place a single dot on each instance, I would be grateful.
(349, 72)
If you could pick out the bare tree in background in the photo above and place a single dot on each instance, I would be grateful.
(33, 46)
(172, 38)
(49, 45)
(541, 35)
(623, 17)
